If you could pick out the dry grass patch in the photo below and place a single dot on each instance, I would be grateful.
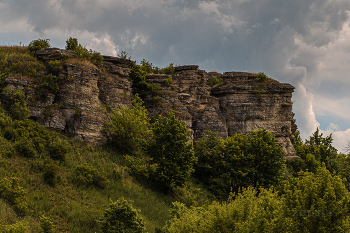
(80, 62)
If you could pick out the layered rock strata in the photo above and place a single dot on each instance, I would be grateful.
(85, 92)
(239, 104)
(242, 102)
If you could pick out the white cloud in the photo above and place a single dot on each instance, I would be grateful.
(340, 138)
(104, 45)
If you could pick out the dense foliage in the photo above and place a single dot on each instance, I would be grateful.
(313, 202)
(121, 217)
(53, 183)
(82, 52)
(129, 127)
(254, 159)
(171, 151)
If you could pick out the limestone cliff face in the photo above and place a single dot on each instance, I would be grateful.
(240, 103)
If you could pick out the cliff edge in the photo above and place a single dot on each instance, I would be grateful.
(242, 101)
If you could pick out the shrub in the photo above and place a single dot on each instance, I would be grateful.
(55, 65)
(49, 85)
(168, 70)
(71, 43)
(87, 175)
(169, 81)
(16, 104)
(46, 225)
(215, 81)
(262, 77)
(18, 227)
(121, 217)
(38, 44)
(82, 52)
(25, 148)
(171, 151)
(129, 126)
(12, 193)
(50, 171)
(58, 151)
(139, 84)
(124, 55)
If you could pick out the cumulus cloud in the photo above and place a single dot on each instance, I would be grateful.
(304, 43)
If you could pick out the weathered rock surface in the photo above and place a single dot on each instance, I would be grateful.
(240, 103)
(78, 105)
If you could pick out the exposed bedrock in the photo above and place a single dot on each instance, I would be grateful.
(242, 102)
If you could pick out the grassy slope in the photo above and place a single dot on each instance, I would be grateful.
(73, 208)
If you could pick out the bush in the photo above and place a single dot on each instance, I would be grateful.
(38, 44)
(50, 171)
(18, 227)
(262, 77)
(49, 85)
(71, 43)
(121, 217)
(16, 104)
(25, 148)
(169, 81)
(81, 52)
(171, 151)
(129, 127)
(139, 84)
(46, 225)
(12, 193)
(87, 175)
(58, 151)
(215, 81)
(317, 202)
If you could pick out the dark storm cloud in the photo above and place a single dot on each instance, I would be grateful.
(294, 41)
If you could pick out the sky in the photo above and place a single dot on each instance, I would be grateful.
(302, 42)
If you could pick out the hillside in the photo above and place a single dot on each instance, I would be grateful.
(229, 138)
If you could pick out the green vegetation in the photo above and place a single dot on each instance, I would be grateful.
(251, 160)
(82, 52)
(171, 152)
(39, 44)
(151, 177)
(313, 202)
(121, 217)
(215, 81)
(262, 77)
(260, 95)
(129, 127)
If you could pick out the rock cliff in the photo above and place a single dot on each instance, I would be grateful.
(242, 101)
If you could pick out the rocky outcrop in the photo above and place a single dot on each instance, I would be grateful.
(241, 102)
(247, 103)
(79, 107)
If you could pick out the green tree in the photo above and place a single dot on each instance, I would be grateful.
(82, 52)
(129, 127)
(121, 217)
(317, 202)
(38, 44)
(313, 153)
(138, 77)
(255, 159)
(171, 151)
